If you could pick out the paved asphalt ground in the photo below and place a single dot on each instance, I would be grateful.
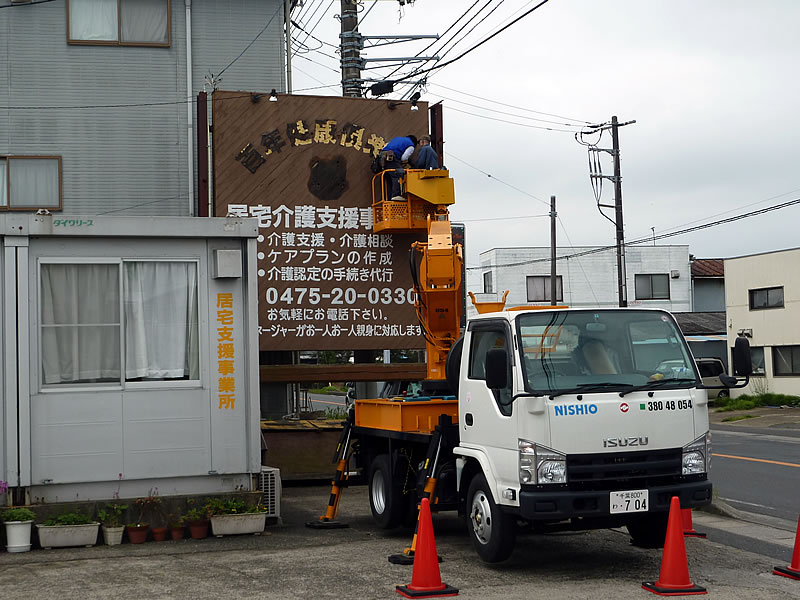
(292, 561)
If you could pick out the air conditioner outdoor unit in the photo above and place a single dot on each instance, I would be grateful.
(269, 484)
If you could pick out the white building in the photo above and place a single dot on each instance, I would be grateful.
(762, 297)
(657, 276)
(130, 356)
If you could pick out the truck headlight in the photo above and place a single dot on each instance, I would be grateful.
(696, 456)
(539, 464)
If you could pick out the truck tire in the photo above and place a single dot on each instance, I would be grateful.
(492, 531)
(385, 498)
(649, 530)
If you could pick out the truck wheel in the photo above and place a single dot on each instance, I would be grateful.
(385, 498)
(492, 531)
(650, 530)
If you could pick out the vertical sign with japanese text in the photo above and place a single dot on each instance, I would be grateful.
(301, 165)
(226, 354)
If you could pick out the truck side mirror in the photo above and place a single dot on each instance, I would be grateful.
(496, 369)
(742, 362)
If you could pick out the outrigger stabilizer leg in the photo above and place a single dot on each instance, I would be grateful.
(428, 471)
(328, 520)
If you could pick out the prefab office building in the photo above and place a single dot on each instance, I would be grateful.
(129, 356)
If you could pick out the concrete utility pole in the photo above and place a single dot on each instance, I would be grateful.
(350, 49)
(553, 277)
(622, 286)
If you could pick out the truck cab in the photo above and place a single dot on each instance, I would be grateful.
(578, 418)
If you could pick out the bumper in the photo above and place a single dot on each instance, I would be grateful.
(564, 504)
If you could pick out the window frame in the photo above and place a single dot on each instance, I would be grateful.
(495, 326)
(123, 384)
(650, 277)
(751, 293)
(487, 278)
(118, 41)
(546, 278)
(11, 157)
(794, 348)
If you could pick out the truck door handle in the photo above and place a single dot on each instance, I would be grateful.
(468, 419)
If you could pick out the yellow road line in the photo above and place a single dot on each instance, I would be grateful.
(762, 460)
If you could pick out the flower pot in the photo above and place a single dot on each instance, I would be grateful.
(137, 534)
(62, 536)
(113, 535)
(177, 532)
(18, 536)
(159, 534)
(198, 529)
(238, 524)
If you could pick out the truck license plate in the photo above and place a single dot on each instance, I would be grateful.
(629, 501)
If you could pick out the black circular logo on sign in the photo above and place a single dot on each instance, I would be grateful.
(327, 178)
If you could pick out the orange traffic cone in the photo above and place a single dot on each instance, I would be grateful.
(674, 578)
(688, 528)
(426, 581)
(793, 570)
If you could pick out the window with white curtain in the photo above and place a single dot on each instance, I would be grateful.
(123, 22)
(30, 182)
(121, 322)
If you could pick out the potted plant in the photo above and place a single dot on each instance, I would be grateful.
(148, 507)
(68, 529)
(18, 528)
(232, 516)
(111, 519)
(177, 527)
(197, 519)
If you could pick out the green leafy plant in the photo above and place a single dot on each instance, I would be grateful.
(17, 514)
(336, 413)
(175, 520)
(231, 506)
(111, 515)
(195, 513)
(69, 518)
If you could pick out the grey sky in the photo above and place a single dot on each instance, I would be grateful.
(712, 85)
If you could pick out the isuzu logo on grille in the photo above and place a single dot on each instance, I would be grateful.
(617, 442)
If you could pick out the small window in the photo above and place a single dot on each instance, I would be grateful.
(652, 287)
(487, 283)
(766, 298)
(710, 368)
(134, 321)
(786, 360)
(539, 288)
(482, 342)
(119, 22)
(30, 182)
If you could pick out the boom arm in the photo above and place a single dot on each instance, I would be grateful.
(436, 263)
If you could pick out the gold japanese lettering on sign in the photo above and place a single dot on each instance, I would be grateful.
(302, 133)
(225, 352)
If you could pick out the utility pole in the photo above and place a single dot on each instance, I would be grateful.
(622, 286)
(350, 49)
(553, 278)
(287, 14)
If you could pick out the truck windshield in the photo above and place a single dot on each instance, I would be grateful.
(612, 350)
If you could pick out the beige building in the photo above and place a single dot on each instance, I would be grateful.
(762, 298)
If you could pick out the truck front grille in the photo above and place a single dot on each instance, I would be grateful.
(623, 470)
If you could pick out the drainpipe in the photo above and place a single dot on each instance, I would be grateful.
(189, 106)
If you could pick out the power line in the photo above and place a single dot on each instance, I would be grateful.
(507, 113)
(476, 46)
(466, 112)
(499, 180)
(538, 112)
(260, 33)
(649, 238)
(26, 4)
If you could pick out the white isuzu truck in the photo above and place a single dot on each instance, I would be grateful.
(564, 418)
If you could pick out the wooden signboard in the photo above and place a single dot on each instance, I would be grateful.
(301, 164)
